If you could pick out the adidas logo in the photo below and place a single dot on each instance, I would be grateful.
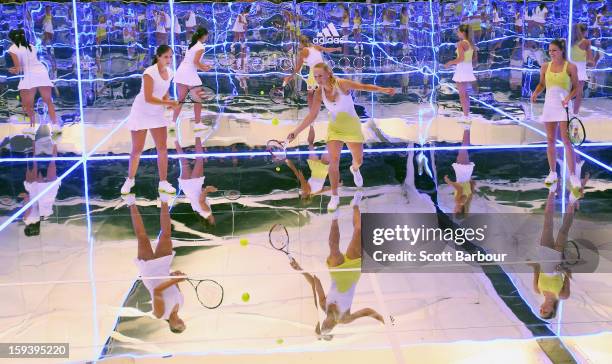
(329, 34)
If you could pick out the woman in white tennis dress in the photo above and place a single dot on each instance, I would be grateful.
(147, 113)
(344, 126)
(187, 79)
(464, 73)
(166, 296)
(560, 79)
(35, 78)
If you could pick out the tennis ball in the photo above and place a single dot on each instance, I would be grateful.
(277, 169)
(246, 297)
(244, 241)
(280, 341)
(275, 121)
(17, 97)
(261, 92)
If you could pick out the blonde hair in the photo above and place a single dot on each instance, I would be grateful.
(326, 68)
(305, 42)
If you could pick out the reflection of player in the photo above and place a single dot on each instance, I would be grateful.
(338, 300)
(344, 125)
(166, 296)
(464, 73)
(464, 183)
(161, 36)
(357, 31)
(47, 25)
(187, 75)
(310, 55)
(550, 278)
(560, 79)
(190, 24)
(192, 180)
(35, 78)
(240, 27)
(516, 64)
(318, 172)
(581, 55)
(34, 184)
(147, 113)
(404, 18)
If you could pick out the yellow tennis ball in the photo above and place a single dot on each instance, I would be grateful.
(275, 121)
(246, 297)
(17, 97)
(244, 241)
(277, 169)
(261, 92)
(280, 341)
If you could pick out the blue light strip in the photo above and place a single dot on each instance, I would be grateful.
(90, 241)
(90, 157)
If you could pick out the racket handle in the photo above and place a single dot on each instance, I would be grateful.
(289, 256)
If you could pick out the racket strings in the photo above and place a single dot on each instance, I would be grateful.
(279, 238)
(208, 292)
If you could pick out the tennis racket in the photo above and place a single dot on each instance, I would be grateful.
(277, 149)
(199, 95)
(208, 291)
(571, 253)
(575, 130)
(279, 239)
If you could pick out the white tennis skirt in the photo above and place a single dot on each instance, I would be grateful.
(463, 172)
(145, 116)
(553, 108)
(582, 73)
(464, 73)
(187, 76)
(37, 76)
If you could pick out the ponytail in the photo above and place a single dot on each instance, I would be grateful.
(18, 37)
(197, 35)
(161, 50)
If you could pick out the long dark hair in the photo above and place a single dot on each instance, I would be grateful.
(560, 43)
(18, 37)
(542, 6)
(197, 35)
(162, 49)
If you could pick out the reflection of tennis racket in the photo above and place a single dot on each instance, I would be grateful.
(231, 195)
(280, 94)
(571, 253)
(279, 239)
(208, 291)
(199, 95)
(575, 130)
(277, 149)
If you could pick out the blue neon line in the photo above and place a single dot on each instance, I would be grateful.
(92, 276)
(90, 157)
